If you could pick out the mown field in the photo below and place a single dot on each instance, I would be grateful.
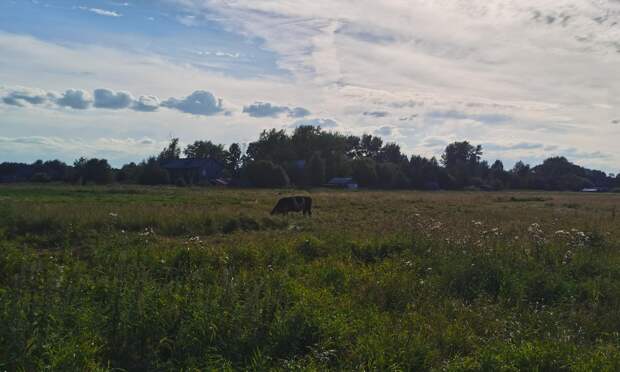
(130, 278)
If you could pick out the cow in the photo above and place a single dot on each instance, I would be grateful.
(293, 204)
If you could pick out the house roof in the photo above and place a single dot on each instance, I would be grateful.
(188, 163)
(341, 181)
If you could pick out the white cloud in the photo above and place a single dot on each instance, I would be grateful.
(490, 71)
(26, 96)
(376, 114)
(384, 131)
(105, 98)
(266, 109)
(116, 150)
(198, 103)
(146, 104)
(323, 123)
(75, 98)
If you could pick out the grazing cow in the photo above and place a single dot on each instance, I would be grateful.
(293, 204)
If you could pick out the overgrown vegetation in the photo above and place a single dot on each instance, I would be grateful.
(188, 279)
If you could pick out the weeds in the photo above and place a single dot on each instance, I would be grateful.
(393, 286)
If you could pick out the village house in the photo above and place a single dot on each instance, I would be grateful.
(194, 171)
(342, 182)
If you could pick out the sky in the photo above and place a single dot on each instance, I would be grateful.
(118, 79)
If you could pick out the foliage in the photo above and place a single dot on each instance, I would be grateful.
(151, 173)
(94, 170)
(40, 177)
(364, 171)
(233, 160)
(172, 151)
(316, 170)
(264, 173)
(206, 150)
(310, 156)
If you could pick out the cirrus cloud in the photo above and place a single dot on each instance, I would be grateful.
(101, 12)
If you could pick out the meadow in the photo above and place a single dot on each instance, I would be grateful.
(195, 279)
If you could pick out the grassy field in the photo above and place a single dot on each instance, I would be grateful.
(130, 278)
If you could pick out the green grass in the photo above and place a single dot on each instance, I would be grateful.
(204, 279)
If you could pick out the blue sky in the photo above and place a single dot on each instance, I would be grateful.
(117, 79)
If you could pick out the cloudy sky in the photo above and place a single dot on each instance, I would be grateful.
(117, 79)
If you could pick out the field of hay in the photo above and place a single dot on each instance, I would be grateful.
(130, 278)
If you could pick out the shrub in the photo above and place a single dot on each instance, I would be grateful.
(364, 172)
(230, 226)
(153, 174)
(40, 177)
(267, 174)
(316, 170)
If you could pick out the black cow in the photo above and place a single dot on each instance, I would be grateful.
(293, 204)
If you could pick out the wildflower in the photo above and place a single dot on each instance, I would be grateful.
(537, 234)
(436, 226)
(147, 231)
(534, 229)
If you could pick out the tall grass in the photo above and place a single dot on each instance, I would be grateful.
(79, 290)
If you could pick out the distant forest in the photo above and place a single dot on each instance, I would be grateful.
(311, 156)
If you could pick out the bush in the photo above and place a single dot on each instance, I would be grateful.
(40, 177)
(153, 174)
(316, 170)
(93, 170)
(267, 174)
(364, 172)
(180, 182)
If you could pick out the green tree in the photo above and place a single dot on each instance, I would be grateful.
(364, 172)
(151, 173)
(391, 153)
(370, 146)
(93, 170)
(206, 150)
(316, 170)
(462, 161)
(172, 151)
(129, 173)
(264, 173)
(274, 146)
(234, 157)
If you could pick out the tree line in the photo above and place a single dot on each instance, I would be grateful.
(311, 156)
